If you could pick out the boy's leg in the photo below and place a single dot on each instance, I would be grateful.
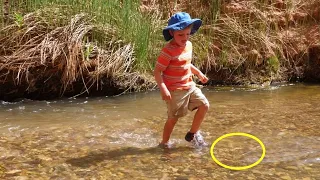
(177, 107)
(197, 101)
(198, 117)
(167, 130)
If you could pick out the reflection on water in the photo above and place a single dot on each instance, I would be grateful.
(117, 137)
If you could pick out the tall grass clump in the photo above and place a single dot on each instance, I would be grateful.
(240, 41)
(132, 26)
(244, 42)
(249, 45)
(251, 40)
(75, 45)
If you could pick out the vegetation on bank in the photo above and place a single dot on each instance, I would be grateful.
(51, 48)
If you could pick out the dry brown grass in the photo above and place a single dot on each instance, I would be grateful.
(240, 41)
(253, 41)
(38, 52)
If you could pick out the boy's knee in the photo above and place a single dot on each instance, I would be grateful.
(205, 106)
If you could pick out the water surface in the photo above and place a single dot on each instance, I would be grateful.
(117, 137)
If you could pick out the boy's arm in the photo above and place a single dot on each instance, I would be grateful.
(200, 75)
(163, 88)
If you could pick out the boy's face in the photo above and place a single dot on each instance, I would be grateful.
(181, 36)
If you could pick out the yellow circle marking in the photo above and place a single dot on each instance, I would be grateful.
(238, 167)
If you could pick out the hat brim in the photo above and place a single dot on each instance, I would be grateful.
(181, 25)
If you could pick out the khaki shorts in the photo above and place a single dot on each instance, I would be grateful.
(184, 100)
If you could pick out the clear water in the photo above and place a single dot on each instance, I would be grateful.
(117, 137)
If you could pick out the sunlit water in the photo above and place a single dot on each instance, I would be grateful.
(117, 137)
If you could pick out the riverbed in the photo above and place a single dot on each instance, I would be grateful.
(117, 137)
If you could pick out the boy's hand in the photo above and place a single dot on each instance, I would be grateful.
(198, 73)
(203, 78)
(165, 93)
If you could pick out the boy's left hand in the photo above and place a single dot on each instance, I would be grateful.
(203, 78)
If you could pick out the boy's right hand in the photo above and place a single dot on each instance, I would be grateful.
(165, 93)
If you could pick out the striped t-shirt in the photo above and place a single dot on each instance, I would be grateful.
(175, 62)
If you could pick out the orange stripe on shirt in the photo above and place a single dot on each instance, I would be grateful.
(175, 64)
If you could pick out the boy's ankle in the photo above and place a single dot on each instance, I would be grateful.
(189, 136)
(166, 145)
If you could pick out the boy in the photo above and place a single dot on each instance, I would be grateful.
(173, 74)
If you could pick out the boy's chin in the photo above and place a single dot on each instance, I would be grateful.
(182, 44)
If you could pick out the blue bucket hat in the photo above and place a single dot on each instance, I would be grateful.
(180, 21)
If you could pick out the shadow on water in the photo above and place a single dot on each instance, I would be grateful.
(94, 157)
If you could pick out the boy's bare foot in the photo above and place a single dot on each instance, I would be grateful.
(166, 145)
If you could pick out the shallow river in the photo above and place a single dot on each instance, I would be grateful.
(117, 137)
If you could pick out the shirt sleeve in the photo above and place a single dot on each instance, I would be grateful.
(163, 60)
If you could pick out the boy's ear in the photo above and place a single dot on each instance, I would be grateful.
(171, 32)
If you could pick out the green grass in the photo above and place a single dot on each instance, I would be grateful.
(124, 15)
(237, 33)
(273, 64)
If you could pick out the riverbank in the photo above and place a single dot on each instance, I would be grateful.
(50, 50)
